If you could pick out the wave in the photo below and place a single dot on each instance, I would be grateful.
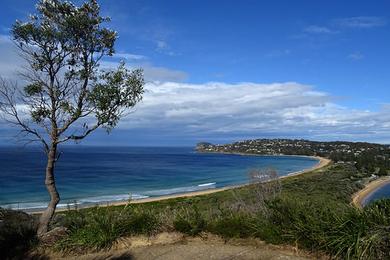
(25, 205)
(35, 206)
(207, 184)
(31, 206)
(177, 190)
(108, 198)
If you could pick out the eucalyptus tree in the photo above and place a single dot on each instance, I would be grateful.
(65, 96)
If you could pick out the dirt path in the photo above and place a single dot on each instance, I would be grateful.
(205, 250)
(175, 247)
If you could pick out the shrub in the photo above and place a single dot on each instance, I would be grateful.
(342, 231)
(17, 234)
(235, 225)
(141, 223)
(264, 186)
(97, 228)
(190, 222)
(361, 234)
(100, 228)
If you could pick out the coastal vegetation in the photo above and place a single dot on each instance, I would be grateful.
(311, 211)
(66, 96)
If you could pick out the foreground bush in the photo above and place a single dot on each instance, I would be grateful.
(232, 225)
(17, 234)
(363, 234)
(344, 232)
(100, 228)
(190, 222)
(311, 212)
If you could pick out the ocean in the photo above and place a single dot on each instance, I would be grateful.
(92, 175)
(381, 193)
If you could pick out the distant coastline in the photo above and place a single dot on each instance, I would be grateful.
(322, 162)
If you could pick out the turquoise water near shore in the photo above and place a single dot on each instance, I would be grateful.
(91, 175)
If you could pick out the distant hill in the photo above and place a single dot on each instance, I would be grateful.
(366, 156)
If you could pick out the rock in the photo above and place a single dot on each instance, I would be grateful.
(54, 235)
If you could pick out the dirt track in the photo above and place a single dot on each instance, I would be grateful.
(197, 248)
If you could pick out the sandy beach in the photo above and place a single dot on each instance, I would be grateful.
(359, 197)
(322, 163)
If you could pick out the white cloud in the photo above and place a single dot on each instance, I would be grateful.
(252, 109)
(11, 63)
(221, 111)
(129, 56)
(278, 53)
(151, 72)
(162, 45)
(318, 29)
(356, 56)
(361, 22)
(336, 26)
(5, 39)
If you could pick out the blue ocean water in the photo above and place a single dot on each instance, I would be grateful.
(381, 193)
(90, 175)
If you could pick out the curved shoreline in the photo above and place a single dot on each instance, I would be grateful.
(359, 197)
(322, 162)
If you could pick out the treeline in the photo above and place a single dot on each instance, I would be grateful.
(367, 162)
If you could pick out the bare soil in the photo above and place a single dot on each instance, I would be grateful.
(172, 246)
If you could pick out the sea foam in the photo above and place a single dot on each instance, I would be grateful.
(35, 206)
(179, 190)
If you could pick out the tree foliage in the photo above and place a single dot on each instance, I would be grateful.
(63, 45)
(66, 95)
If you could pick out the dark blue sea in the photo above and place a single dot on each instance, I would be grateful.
(91, 175)
(381, 193)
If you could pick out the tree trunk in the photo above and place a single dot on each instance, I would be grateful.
(48, 214)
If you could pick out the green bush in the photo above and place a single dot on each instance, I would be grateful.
(365, 234)
(17, 234)
(100, 228)
(234, 225)
(141, 223)
(190, 222)
(342, 231)
(313, 211)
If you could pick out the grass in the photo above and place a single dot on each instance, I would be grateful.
(312, 211)
(100, 228)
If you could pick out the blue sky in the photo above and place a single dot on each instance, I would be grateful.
(226, 70)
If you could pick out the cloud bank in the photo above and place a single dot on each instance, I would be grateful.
(172, 110)
(11, 63)
(361, 22)
(251, 109)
